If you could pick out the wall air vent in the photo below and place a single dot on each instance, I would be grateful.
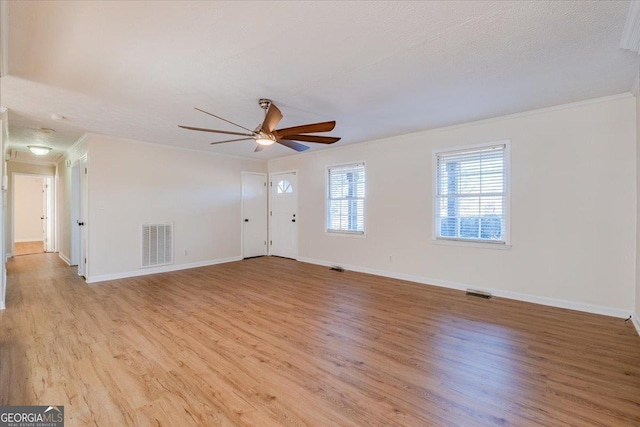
(157, 244)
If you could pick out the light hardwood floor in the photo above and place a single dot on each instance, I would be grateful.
(274, 342)
(28, 248)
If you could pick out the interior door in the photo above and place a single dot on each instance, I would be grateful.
(284, 208)
(48, 215)
(254, 214)
(75, 214)
(43, 216)
(82, 221)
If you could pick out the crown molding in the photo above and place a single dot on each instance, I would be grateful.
(407, 136)
(631, 34)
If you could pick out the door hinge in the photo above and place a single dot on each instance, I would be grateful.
(270, 213)
(271, 242)
(85, 260)
(265, 243)
(265, 184)
(271, 184)
(85, 171)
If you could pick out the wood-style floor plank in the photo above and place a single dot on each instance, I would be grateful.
(275, 342)
(28, 248)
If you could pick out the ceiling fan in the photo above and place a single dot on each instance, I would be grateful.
(266, 133)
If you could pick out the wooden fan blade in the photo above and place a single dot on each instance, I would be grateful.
(310, 128)
(293, 145)
(314, 138)
(215, 131)
(258, 148)
(224, 120)
(231, 140)
(272, 119)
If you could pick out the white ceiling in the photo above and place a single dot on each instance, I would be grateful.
(137, 69)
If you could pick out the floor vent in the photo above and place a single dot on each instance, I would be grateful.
(337, 268)
(479, 294)
(157, 244)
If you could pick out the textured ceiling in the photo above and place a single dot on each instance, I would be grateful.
(137, 69)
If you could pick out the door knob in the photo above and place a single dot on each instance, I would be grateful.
(246, 220)
(42, 217)
(80, 223)
(293, 220)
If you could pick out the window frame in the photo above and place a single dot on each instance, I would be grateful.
(345, 233)
(480, 243)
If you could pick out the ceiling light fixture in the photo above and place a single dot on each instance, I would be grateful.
(264, 139)
(39, 150)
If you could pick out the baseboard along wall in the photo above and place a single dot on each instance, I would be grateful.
(553, 302)
(156, 270)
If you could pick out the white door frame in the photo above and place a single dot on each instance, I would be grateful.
(242, 217)
(51, 220)
(269, 188)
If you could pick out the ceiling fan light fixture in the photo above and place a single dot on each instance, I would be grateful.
(265, 140)
(39, 150)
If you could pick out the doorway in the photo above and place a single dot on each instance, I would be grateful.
(33, 227)
(283, 224)
(254, 214)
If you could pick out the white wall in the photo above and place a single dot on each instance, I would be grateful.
(573, 212)
(28, 208)
(636, 315)
(132, 183)
(4, 132)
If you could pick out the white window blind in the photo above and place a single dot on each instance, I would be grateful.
(470, 194)
(345, 198)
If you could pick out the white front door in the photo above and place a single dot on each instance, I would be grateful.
(284, 208)
(254, 214)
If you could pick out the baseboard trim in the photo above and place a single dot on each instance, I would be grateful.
(635, 318)
(163, 269)
(28, 241)
(2, 306)
(64, 258)
(553, 302)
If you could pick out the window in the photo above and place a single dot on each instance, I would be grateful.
(284, 186)
(345, 198)
(471, 194)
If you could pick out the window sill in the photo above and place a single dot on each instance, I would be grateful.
(345, 234)
(472, 244)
